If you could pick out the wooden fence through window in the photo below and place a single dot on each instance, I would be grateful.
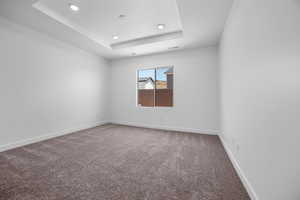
(163, 97)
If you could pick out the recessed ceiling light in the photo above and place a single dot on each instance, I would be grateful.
(161, 26)
(74, 7)
(115, 37)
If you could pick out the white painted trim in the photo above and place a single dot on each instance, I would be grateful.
(239, 170)
(91, 125)
(148, 40)
(49, 136)
(171, 128)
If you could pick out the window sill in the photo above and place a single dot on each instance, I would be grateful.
(155, 107)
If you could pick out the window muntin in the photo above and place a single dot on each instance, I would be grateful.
(155, 87)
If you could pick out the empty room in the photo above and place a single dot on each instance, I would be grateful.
(149, 99)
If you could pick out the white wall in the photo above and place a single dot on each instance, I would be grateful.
(195, 91)
(260, 84)
(46, 86)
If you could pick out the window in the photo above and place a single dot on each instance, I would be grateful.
(155, 87)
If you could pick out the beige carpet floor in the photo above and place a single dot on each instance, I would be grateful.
(114, 162)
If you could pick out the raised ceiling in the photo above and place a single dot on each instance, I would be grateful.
(100, 20)
(188, 23)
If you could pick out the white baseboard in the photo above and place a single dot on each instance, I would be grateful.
(91, 125)
(170, 128)
(239, 170)
(49, 136)
(236, 165)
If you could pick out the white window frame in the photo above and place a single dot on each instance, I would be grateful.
(137, 88)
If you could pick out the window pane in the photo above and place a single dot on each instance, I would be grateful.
(164, 86)
(146, 87)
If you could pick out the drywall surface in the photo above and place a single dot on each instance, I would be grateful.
(195, 91)
(260, 94)
(46, 86)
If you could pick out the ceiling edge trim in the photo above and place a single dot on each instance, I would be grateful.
(148, 40)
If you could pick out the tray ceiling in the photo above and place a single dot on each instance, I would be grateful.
(100, 20)
(188, 23)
